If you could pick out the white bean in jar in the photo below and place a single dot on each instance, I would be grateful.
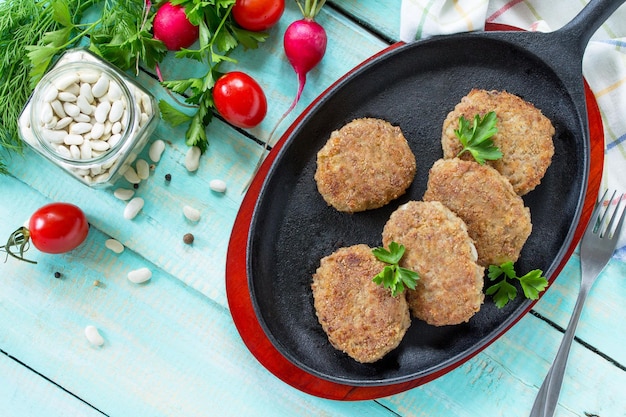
(89, 118)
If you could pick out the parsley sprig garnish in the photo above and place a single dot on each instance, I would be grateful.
(503, 291)
(476, 138)
(393, 276)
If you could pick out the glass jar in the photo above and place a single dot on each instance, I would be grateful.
(89, 118)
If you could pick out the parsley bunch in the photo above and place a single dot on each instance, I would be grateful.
(476, 139)
(393, 276)
(503, 291)
(219, 36)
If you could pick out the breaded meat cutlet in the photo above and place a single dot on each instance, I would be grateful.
(360, 317)
(364, 165)
(495, 215)
(437, 246)
(524, 136)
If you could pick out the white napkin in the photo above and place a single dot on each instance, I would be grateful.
(604, 62)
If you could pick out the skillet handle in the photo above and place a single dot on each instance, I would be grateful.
(588, 21)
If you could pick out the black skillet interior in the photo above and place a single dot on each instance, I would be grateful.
(414, 87)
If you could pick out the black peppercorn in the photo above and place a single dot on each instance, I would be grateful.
(57, 274)
(168, 177)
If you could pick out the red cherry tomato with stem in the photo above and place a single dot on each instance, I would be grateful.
(53, 228)
(239, 99)
(258, 15)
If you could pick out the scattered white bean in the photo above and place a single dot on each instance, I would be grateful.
(156, 150)
(192, 159)
(114, 245)
(93, 336)
(143, 169)
(131, 175)
(133, 207)
(191, 213)
(140, 275)
(218, 186)
(124, 193)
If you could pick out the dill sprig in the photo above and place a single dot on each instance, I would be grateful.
(21, 23)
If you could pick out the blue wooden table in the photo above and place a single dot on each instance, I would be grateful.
(171, 348)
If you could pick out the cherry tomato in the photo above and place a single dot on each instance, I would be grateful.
(58, 227)
(240, 99)
(258, 15)
(53, 228)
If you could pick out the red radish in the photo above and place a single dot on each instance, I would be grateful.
(305, 45)
(304, 42)
(173, 28)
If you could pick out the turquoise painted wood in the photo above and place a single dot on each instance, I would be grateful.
(171, 348)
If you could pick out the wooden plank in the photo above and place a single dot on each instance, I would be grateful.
(24, 393)
(504, 380)
(601, 324)
(380, 17)
(168, 349)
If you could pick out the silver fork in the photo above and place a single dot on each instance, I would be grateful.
(596, 248)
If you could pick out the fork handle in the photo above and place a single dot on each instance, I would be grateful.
(548, 395)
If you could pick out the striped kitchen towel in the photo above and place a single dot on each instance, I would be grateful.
(604, 62)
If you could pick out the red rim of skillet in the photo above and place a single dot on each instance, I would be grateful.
(245, 296)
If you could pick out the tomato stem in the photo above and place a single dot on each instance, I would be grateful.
(20, 239)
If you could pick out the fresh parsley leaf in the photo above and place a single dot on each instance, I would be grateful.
(476, 139)
(393, 276)
(502, 292)
(532, 283)
(172, 115)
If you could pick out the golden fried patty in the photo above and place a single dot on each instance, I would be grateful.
(495, 215)
(524, 136)
(439, 249)
(360, 317)
(364, 165)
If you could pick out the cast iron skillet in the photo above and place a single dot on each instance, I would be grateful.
(414, 86)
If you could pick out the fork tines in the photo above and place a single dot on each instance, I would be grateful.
(600, 216)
